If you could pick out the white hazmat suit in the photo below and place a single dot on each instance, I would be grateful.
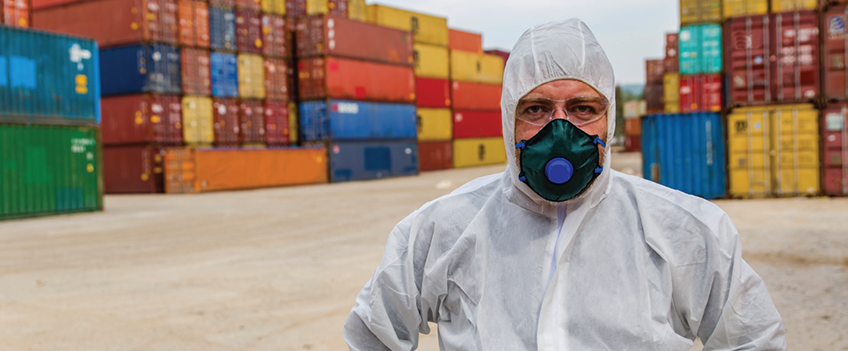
(627, 265)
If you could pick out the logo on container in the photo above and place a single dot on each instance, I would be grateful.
(346, 107)
(78, 54)
(836, 25)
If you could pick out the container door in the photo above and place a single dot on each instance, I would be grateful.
(796, 150)
(748, 149)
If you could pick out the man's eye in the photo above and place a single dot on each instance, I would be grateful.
(534, 109)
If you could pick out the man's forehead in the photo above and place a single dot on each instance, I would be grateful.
(561, 89)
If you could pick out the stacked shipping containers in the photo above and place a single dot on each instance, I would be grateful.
(50, 147)
(433, 92)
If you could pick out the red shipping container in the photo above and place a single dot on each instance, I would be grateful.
(249, 5)
(435, 155)
(475, 96)
(700, 93)
(133, 169)
(15, 13)
(672, 64)
(195, 71)
(276, 36)
(654, 70)
(465, 41)
(295, 8)
(43, 4)
(251, 122)
(796, 43)
(632, 144)
(114, 22)
(277, 122)
(337, 78)
(194, 23)
(835, 150)
(249, 31)
(747, 60)
(433, 93)
(226, 121)
(277, 84)
(654, 98)
(476, 124)
(141, 119)
(835, 53)
(341, 37)
(503, 54)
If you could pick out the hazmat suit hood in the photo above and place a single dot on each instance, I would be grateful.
(554, 51)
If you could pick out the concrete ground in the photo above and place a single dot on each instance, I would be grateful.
(278, 269)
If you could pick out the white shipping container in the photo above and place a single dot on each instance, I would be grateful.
(634, 109)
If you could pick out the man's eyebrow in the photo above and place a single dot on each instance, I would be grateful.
(533, 99)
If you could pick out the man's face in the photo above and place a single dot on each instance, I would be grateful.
(560, 90)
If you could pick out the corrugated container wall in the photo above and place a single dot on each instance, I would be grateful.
(654, 70)
(356, 10)
(194, 23)
(700, 49)
(672, 63)
(435, 155)
(477, 68)
(222, 28)
(435, 93)
(701, 93)
(793, 5)
(434, 124)
(654, 98)
(251, 122)
(248, 5)
(135, 69)
(738, 8)
(49, 170)
(51, 79)
(700, 11)
(685, 152)
(431, 61)
(476, 124)
(835, 150)
(43, 4)
(835, 53)
(331, 7)
(276, 36)
(225, 121)
(196, 71)
(472, 152)
(277, 7)
(251, 76)
(671, 92)
(475, 96)
(133, 169)
(141, 119)
(249, 31)
(773, 151)
(295, 8)
(465, 41)
(425, 29)
(356, 120)
(364, 160)
(224, 69)
(503, 54)
(277, 82)
(341, 37)
(276, 122)
(338, 78)
(198, 122)
(15, 13)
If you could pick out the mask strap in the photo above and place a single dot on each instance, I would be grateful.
(519, 145)
(599, 169)
(599, 141)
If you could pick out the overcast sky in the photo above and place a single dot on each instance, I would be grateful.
(629, 30)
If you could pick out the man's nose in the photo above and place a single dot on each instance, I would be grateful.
(559, 112)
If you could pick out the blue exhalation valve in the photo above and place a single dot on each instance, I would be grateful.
(559, 170)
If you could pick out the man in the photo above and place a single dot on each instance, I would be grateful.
(560, 252)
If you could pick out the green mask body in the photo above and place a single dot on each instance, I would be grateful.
(559, 161)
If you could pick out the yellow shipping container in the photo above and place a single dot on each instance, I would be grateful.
(356, 10)
(478, 152)
(735, 8)
(431, 61)
(293, 134)
(198, 120)
(671, 92)
(773, 151)
(425, 29)
(700, 11)
(477, 68)
(251, 76)
(277, 7)
(793, 5)
(318, 7)
(434, 124)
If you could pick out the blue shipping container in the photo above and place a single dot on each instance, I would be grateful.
(142, 68)
(224, 74)
(48, 78)
(222, 28)
(364, 160)
(356, 120)
(685, 152)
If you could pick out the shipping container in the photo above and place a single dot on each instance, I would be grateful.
(636, 109)
(198, 120)
(129, 169)
(477, 68)
(49, 170)
(795, 5)
(701, 93)
(224, 74)
(835, 150)
(225, 121)
(142, 119)
(739, 8)
(229, 4)
(341, 37)
(222, 28)
(685, 152)
(294, 123)
(435, 155)
(356, 120)
(654, 71)
(503, 54)
(276, 36)
(700, 49)
(431, 61)
(633, 143)
(474, 152)
(327, 7)
(251, 76)
(43, 4)
(114, 22)
(431, 92)
(295, 8)
(671, 62)
(465, 41)
(248, 5)
(476, 124)
(700, 11)
(671, 92)
(189, 170)
(251, 122)
(196, 71)
(51, 79)
(145, 68)
(654, 98)
(277, 82)
(835, 53)
(475, 96)
(632, 127)
(339, 78)
(796, 45)
(748, 61)
(249, 31)
(276, 122)
(434, 124)
(276, 7)
(773, 151)
(194, 23)
(356, 10)
(425, 29)
(365, 160)
(15, 13)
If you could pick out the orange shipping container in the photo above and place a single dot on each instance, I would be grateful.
(633, 127)
(190, 170)
(194, 23)
(476, 96)
(14, 13)
(465, 41)
(337, 78)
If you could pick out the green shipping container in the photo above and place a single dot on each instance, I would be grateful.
(700, 49)
(49, 170)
